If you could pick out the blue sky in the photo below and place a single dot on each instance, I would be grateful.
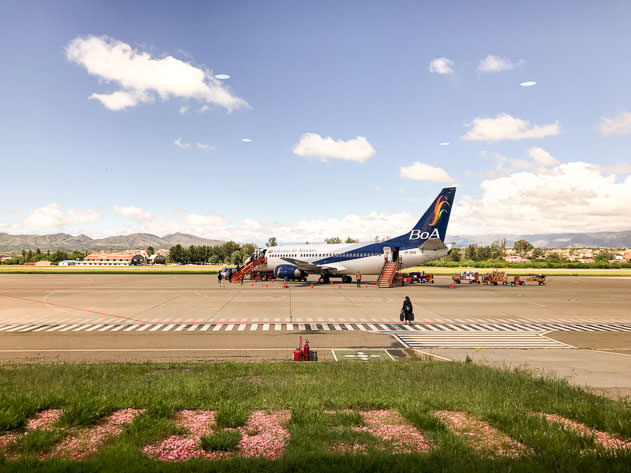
(550, 157)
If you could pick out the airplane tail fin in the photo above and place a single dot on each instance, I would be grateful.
(433, 223)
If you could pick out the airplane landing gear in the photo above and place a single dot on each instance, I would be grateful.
(324, 280)
(346, 279)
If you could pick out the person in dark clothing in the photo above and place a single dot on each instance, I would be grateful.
(407, 312)
(358, 278)
(219, 278)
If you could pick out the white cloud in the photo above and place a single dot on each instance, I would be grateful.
(493, 63)
(204, 147)
(619, 125)
(542, 157)
(246, 140)
(441, 65)
(180, 144)
(222, 76)
(572, 197)
(143, 77)
(315, 146)
(538, 160)
(52, 216)
(424, 172)
(444, 143)
(528, 83)
(506, 127)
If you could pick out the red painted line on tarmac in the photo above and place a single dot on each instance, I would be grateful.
(80, 309)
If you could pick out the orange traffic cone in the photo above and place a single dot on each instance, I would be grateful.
(252, 285)
(284, 286)
(366, 286)
(267, 285)
(340, 286)
(452, 285)
(312, 286)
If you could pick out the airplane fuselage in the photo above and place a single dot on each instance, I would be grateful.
(348, 258)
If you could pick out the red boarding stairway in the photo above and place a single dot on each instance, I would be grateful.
(248, 268)
(389, 275)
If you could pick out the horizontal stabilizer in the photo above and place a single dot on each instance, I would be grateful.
(310, 267)
(433, 244)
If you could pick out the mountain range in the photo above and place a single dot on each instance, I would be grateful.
(552, 240)
(63, 241)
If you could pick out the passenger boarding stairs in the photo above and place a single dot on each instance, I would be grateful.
(389, 275)
(248, 268)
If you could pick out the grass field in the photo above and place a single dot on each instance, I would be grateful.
(207, 269)
(526, 271)
(330, 416)
(175, 269)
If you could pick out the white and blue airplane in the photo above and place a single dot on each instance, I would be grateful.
(425, 242)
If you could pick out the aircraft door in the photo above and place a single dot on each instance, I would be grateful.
(387, 252)
(395, 253)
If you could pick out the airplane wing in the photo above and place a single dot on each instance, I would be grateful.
(310, 267)
(433, 244)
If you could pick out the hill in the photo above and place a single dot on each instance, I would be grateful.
(553, 240)
(63, 241)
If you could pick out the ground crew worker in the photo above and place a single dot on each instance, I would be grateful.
(358, 278)
(219, 278)
(407, 312)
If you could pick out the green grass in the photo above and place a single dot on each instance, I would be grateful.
(179, 269)
(442, 271)
(231, 416)
(323, 399)
(222, 440)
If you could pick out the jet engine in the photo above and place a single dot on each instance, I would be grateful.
(288, 271)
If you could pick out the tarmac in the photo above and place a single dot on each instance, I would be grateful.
(601, 360)
(199, 298)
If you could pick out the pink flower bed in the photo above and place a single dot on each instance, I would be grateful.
(601, 438)
(388, 425)
(43, 420)
(480, 435)
(84, 442)
(263, 435)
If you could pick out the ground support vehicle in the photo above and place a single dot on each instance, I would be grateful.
(472, 277)
(420, 277)
(539, 279)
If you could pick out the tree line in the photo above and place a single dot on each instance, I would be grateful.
(226, 253)
(30, 256)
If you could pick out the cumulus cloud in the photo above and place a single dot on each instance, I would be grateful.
(441, 65)
(572, 197)
(313, 145)
(506, 127)
(142, 77)
(246, 140)
(542, 157)
(52, 216)
(618, 125)
(493, 63)
(180, 144)
(537, 160)
(528, 83)
(364, 227)
(424, 172)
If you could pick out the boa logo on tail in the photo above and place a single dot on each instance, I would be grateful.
(439, 210)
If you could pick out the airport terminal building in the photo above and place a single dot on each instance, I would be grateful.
(123, 258)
